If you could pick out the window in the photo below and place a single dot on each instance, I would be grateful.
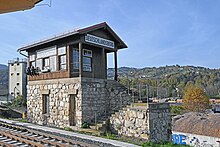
(62, 61)
(46, 59)
(62, 58)
(32, 59)
(45, 104)
(11, 74)
(33, 63)
(18, 64)
(18, 83)
(75, 59)
(18, 74)
(87, 53)
(87, 60)
(46, 63)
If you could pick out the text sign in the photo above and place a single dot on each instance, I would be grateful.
(99, 41)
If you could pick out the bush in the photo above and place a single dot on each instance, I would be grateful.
(195, 99)
(85, 125)
(19, 101)
(68, 129)
(177, 110)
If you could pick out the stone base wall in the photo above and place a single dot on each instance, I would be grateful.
(96, 99)
(59, 95)
(101, 98)
(151, 122)
(131, 122)
(118, 96)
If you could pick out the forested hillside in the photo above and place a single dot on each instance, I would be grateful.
(3, 77)
(172, 78)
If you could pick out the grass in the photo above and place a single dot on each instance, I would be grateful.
(151, 144)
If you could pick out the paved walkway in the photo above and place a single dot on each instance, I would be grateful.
(68, 133)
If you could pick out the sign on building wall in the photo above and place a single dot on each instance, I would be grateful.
(99, 41)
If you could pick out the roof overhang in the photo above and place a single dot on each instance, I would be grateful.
(16, 5)
(82, 31)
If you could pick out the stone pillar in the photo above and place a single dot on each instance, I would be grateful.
(116, 65)
(80, 60)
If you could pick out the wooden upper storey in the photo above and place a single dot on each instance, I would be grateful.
(79, 53)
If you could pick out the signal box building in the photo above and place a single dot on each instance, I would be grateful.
(67, 77)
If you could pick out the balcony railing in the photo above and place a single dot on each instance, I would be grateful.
(17, 60)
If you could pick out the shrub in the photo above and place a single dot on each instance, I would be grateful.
(177, 110)
(85, 125)
(19, 101)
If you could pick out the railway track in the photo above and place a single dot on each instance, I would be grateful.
(17, 136)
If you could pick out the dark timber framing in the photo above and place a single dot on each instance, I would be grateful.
(76, 39)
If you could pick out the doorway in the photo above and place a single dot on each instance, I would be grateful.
(72, 108)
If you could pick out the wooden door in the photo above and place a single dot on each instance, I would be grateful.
(72, 108)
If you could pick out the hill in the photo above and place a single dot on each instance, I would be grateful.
(172, 78)
(3, 67)
(3, 77)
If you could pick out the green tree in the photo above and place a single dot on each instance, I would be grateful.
(19, 101)
(195, 99)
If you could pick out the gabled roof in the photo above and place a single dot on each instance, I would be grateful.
(78, 31)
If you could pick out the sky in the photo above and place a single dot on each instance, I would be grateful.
(157, 32)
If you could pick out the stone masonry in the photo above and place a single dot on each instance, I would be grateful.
(150, 122)
(59, 94)
(95, 99)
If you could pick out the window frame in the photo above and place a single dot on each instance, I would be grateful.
(74, 58)
(45, 104)
(41, 60)
(89, 57)
(60, 55)
(43, 63)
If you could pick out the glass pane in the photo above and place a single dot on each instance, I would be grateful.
(46, 64)
(32, 57)
(62, 50)
(87, 53)
(76, 65)
(39, 64)
(75, 59)
(63, 59)
(87, 64)
(53, 63)
(63, 66)
(33, 64)
(86, 60)
(62, 62)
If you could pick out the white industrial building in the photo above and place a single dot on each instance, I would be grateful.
(17, 77)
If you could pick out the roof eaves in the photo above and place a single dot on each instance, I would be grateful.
(56, 37)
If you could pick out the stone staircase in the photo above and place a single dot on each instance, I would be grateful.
(103, 124)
